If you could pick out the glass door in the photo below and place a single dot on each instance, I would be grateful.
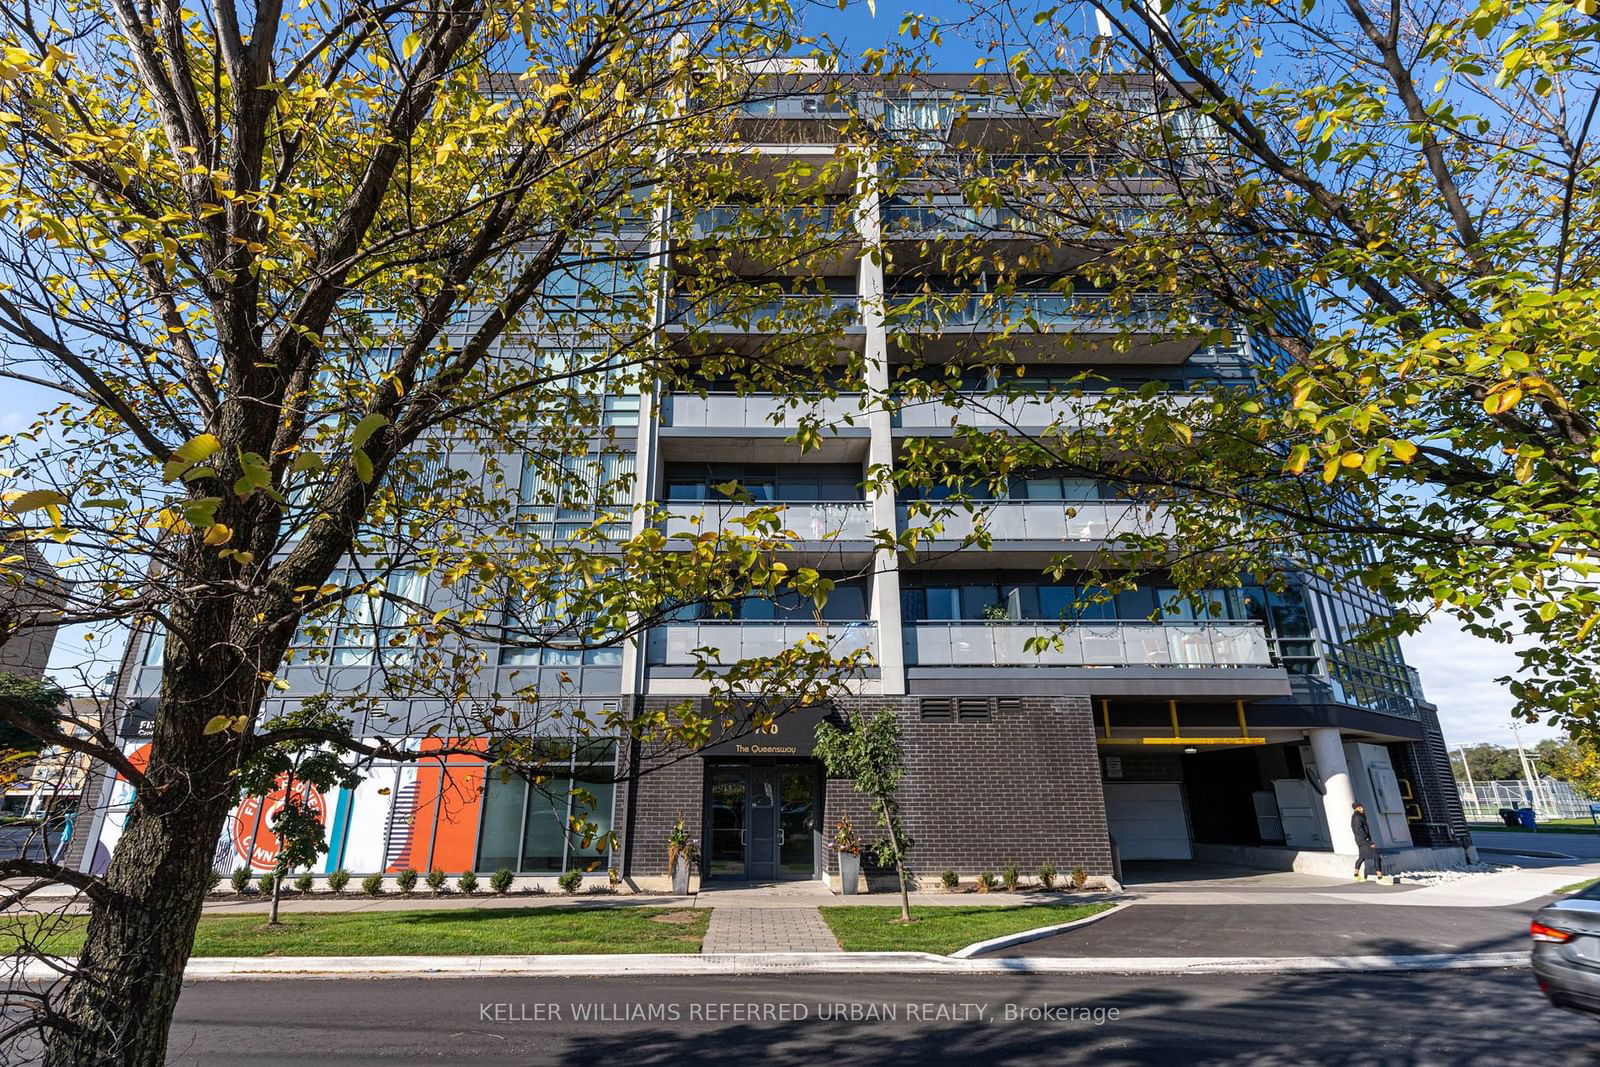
(728, 835)
(797, 822)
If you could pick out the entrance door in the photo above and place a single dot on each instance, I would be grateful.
(761, 821)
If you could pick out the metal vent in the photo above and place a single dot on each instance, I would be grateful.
(1007, 705)
(973, 709)
(938, 709)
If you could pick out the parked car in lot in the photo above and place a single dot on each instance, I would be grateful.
(1566, 951)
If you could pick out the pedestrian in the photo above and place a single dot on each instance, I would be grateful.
(1366, 848)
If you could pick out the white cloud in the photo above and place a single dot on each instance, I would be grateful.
(1458, 674)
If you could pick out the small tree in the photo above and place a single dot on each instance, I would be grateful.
(869, 754)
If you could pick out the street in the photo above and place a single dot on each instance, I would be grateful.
(1436, 1017)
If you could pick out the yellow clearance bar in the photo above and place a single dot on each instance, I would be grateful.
(1235, 740)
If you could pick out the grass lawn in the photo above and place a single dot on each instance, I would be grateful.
(476, 932)
(942, 930)
(1578, 887)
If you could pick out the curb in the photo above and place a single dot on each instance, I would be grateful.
(602, 966)
(1534, 852)
(1024, 936)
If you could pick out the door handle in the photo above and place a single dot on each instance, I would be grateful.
(780, 836)
(743, 840)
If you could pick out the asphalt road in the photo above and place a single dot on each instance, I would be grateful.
(14, 840)
(1267, 929)
(1493, 1017)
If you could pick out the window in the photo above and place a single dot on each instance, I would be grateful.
(555, 502)
(789, 482)
(526, 627)
(371, 625)
(528, 828)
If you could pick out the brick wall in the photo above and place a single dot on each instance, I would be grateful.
(1022, 788)
(668, 787)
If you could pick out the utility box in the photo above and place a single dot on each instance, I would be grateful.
(1373, 780)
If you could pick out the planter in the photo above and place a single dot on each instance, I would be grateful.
(680, 876)
(849, 873)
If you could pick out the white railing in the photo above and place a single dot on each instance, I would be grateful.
(1030, 520)
(769, 314)
(1112, 644)
(1090, 313)
(676, 644)
(825, 521)
(998, 409)
(756, 410)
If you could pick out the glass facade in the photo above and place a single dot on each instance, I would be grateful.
(539, 827)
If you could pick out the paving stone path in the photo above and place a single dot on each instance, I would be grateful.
(768, 930)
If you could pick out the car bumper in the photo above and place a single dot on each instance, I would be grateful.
(1567, 985)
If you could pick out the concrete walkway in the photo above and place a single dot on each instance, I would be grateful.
(768, 930)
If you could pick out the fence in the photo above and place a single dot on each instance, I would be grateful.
(1549, 798)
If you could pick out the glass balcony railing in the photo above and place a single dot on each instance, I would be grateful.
(812, 521)
(769, 315)
(733, 219)
(755, 411)
(676, 644)
(1108, 644)
(1001, 408)
(1043, 521)
(1087, 313)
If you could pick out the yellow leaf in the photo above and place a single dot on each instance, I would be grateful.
(219, 534)
(1404, 451)
(1351, 459)
(218, 723)
(33, 499)
(1502, 398)
(1298, 458)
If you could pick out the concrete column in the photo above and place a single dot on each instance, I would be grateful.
(880, 449)
(1327, 749)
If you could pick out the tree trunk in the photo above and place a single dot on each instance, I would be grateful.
(277, 888)
(131, 969)
(119, 1003)
(899, 860)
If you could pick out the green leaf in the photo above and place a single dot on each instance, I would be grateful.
(188, 454)
(363, 466)
(368, 426)
(34, 499)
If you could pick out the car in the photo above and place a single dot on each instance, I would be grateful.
(1566, 951)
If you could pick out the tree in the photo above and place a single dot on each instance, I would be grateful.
(1488, 763)
(1394, 207)
(1573, 760)
(868, 752)
(287, 271)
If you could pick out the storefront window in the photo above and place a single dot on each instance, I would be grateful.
(528, 827)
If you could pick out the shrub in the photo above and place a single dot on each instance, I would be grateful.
(950, 879)
(216, 880)
(266, 882)
(500, 881)
(614, 876)
(1047, 875)
(1079, 876)
(407, 881)
(240, 879)
(436, 879)
(372, 885)
(570, 881)
(467, 883)
(338, 880)
(987, 881)
(304, 883)
(1011, 877)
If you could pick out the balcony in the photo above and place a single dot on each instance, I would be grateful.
(1048, 522)
(999, 408)
(674, 644)
(755, 411)
(811, 521)
(1063, 312)
(771, 315)
(728, 220)
(1109, 644)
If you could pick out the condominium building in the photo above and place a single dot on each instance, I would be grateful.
(1041, 725)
